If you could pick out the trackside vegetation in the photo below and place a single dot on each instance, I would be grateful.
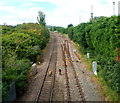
(101, 38)
(21, 45)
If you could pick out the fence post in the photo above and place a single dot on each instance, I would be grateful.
(88, 55)
(94, 67)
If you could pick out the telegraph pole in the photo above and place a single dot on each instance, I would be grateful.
(113, 8)
(91, 13)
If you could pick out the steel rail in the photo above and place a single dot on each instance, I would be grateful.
(66, 75)
(40, 90)
(53, 83)
(75, 75)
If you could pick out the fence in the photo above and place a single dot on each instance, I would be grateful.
(11, 93)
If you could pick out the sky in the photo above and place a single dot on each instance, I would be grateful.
(58, 12)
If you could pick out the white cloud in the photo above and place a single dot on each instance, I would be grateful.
(6, 8)
(71, 11)
(19, 15)
(66, 11)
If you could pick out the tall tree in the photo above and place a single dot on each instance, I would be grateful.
(70, 25)
(41, 18)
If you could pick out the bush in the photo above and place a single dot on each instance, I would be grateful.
(20, 46)
(100, 37)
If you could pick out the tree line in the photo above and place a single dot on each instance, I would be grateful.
(22, 45)
(101, 38)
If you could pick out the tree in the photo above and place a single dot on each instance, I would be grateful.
(70, 25)
(43, 29)
(41, 19)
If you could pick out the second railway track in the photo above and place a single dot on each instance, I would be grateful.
(68, 69)
(45, 92)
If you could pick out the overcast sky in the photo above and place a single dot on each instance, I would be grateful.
(58, 12)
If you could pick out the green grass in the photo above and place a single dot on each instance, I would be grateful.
(110, 95)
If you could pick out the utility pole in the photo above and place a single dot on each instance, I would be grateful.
(91, 13)
(113, 8)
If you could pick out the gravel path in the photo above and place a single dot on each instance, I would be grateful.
(89, 87)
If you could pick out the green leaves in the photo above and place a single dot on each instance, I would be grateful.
(70, 32)
(101, 37)
(6, 30)
(19, 48)
(41, 19)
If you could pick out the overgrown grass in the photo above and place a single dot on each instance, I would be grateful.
(109, 94)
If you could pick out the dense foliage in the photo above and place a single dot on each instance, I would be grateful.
(101, 37)
(21, 45)
(58, 29)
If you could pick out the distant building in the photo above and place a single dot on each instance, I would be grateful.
(97, 17)
(4, 24)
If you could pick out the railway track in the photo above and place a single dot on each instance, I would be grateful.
(77, 58)
(46, 91)
(78, 85)
(66, 74)
(66, 54)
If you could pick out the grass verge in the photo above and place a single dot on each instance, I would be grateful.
(109, 94)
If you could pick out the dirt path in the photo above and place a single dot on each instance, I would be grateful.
(91, 88)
